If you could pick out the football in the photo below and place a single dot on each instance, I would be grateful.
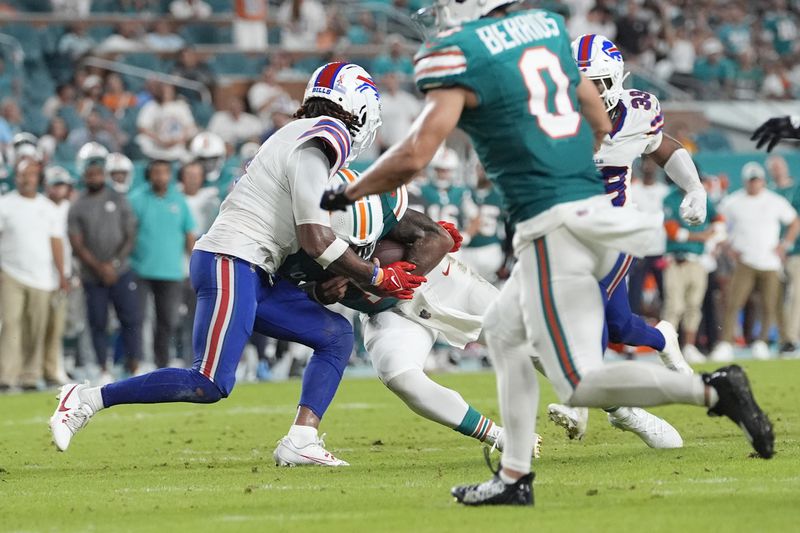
(388, 251)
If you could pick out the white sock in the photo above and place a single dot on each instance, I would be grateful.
(518, 392)
(302, 435)
(429, 399)
(505, 478)
(640, 384)
(93, 397)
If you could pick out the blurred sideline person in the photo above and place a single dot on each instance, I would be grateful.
(685, 275)
(119, 171)
(31, 251)
(755, 216)
(483, 228)
(58, 187)
(165, 233)
(102, 232)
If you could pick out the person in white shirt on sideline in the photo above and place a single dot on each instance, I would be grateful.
(755, 216)
(30, 245)
(399, 108)
(234, 125)
(58, 188)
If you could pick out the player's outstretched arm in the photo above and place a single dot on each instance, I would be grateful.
(427, 241)
(402, 161)
(593, 110)
(677, 162)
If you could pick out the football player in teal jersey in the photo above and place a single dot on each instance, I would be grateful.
(507, 78)
(483, 228)
(442, 197)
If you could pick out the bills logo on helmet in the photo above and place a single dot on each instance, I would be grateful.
(612, 51)
(367, 84)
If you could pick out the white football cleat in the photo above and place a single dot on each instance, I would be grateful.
(760, 350)
(313, 453)
(70, 415)
(672, 356)
(573, 419)
(654, 431)
(722, 353)
(498, 441)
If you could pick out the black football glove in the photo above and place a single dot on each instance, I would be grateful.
(775, 129)
(335, 199)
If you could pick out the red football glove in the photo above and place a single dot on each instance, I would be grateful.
(398, 282)
(453, 231)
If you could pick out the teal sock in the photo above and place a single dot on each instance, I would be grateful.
(475, 425)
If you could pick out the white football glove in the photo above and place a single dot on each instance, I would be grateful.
(693, 207)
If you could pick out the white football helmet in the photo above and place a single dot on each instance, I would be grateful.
(452, 13)
(361, 224)
(352, 88)
(209, 149)
(445, 163)
(23, 145)
(117, 163)
(56, 175)
(600, 59)
(91, 153)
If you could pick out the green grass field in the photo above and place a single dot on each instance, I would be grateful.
(183, 467)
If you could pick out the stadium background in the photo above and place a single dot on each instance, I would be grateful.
(74, 71)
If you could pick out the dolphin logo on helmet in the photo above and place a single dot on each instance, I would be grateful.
(361, 224)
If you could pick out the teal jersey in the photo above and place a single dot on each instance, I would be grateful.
(792, 194)
(783, 30)
(163, 223)
(526, 129)
(300, 268)
(444, 204)
(488, 205)
(673, 223)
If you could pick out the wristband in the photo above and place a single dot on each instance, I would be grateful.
(333, 252)
(375, 273)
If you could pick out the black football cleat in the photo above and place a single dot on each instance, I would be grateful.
(737, 403)
(495, 492)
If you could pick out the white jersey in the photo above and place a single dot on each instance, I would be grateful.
(258, 218)
(635, 131)
(451, 302)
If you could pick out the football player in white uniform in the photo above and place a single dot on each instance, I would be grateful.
(273, 211)
(637, 122)
(119, 172)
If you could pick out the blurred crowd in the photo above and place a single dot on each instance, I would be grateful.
(710, 49)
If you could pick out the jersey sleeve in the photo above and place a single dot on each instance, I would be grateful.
(394, 206)
(656, 116)
(307, 173)
(334, 134)
(442, 64)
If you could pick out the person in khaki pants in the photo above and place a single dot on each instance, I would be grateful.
(58, 187)
(685, 276)
(30, 245)
(756, 216)
(788, 301)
